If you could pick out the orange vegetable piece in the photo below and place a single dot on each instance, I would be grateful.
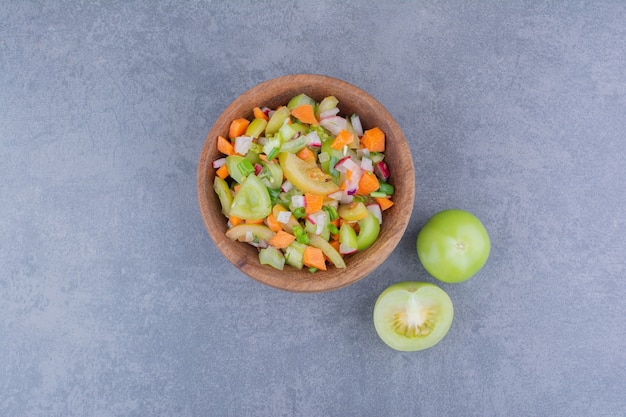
(342, 139)
(335, 244)
(259, 221)
(238, 127)
(374, 140)
(305, 114)
(281, 239)
(272, 223)
(314, 258)
(258, 114)
(367, 183)
(234, 220)
(222, 172)
(224, 146)
(312, 203)
(306, 154)
(383, 202)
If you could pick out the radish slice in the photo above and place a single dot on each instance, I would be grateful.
(376, 211)
(345, 249)
(257, 169)
(319, 220)
(329, 113)
(334, 124)
(219, 162)
(382, 170)
(314, 139)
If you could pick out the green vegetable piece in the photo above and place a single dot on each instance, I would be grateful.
(332, 254)
(299, 100)
(294, 254)
(256, 128)
(257, 231)
(252, 201)
(272, 174)
(276, 121)
(328, 103)
(386, 188)
(272, 257)
(224, 194)
(232, 163)
(369, 228)
(347, 236)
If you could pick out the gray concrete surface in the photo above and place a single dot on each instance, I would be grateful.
(115, 302)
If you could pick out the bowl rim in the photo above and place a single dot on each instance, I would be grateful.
(240, 254)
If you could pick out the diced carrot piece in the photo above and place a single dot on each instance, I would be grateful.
(234, 220)
(374, 140)
(306, 154)
(305, 114)
(272, 223)
(314, 258)
(335, 244)
(238, 127)
(224, 146)
(236, 188)
(383, 202)
(259, 221)
(342, 139)
(258, 114)
(368, 183)
(281, 239)
(312, 203)
(222, 172)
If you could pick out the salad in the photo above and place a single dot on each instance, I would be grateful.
(302, 183)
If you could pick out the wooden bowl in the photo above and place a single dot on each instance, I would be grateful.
(277, 92)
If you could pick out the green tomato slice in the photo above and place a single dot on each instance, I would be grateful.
(453, 246)
(306, 176)
(232, 163)
(252, 201)
(224, 194)
(369, 228)
(256, 231)
(410, 316)
(334, 256)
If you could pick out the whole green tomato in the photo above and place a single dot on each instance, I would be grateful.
(453, 245)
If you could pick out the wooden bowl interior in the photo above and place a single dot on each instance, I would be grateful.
(277, 92)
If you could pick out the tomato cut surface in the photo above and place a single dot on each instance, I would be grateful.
(307, 177)
(410, 316)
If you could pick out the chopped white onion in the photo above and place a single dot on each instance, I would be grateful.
(242, 144)
(366, 164)
(283, 217)
(356, 124)
(287, 186)
(298, 201)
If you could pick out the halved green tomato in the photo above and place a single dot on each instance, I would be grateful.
(252, 201)
(306, 176)
(411, 316)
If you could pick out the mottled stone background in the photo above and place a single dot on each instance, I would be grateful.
(115, 302)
